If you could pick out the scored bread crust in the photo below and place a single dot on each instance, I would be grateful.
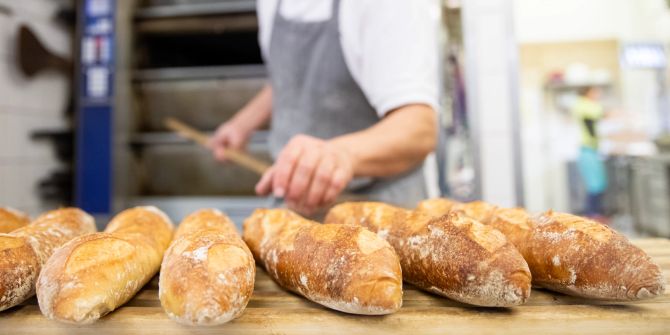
(12, 219)
(568, 253)
(346, 268)
(581, 257)
(25, 250)
(453, 255)
(94, 274)
(207, 275)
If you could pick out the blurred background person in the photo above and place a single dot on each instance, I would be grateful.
(588, 111)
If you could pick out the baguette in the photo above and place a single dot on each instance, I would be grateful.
(11, 219)
(346, 268)
(207, 275)
(478, 210)
(94, 274)
(453, 256)
(581, 257)
(25, 250)
(570, 254)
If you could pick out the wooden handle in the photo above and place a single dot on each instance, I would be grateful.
(240, 158)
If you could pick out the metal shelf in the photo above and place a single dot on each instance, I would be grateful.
(237, 208)
(196, 9)
(560, 86)
(258, 141)
(198, 25)
(205, 72)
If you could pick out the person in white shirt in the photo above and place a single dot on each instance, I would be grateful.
(352, 99)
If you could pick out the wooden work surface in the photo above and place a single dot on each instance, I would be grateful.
(274, 311)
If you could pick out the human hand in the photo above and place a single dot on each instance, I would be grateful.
(229, 135)
(309, 173)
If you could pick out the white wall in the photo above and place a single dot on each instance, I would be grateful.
(579, 20)
(28, 104)
(569, 20)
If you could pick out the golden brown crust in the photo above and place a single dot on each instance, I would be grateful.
(478, 210)
(515, 224)
(207, 275)
(24, 251)
(343, 267)
(452, 255)
(570, 254)
(12, 219)
(145, 224)
(19, 266)
(581, 257)
(93, 274)
(436, 206)
(51, 229)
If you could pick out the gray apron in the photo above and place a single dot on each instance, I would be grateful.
(315, 94)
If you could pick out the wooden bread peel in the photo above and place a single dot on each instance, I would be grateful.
(238, 157)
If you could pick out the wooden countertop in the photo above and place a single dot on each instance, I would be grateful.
(274, 311)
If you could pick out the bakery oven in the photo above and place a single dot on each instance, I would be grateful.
(197, 61)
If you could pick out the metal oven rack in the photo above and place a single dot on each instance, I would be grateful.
(197, 60)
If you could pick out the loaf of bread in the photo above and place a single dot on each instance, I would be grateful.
(94, 274)
(578, 256)
(343, 267)
(514, 223)
(208, 273)
(568, 253)
(11, 219)
(478, 210)
(25, 250)
(453, 255)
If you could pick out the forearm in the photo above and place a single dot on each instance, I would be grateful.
(257, 112)
(396, 144)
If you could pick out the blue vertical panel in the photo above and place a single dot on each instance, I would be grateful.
(95, 108)
(94, 168)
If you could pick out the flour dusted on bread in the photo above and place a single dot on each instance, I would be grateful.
(578, 256)
(453, 255)
(207, 275)
(94, 274)
(343, 267)
(568, 253)
(24, 251)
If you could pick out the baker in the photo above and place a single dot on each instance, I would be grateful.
(352, 99)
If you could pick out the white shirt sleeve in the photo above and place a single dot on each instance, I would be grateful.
(265, 11)
(390, 46)
(392, 49)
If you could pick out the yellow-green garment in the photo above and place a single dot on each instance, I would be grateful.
(588, 112)
(591, 167)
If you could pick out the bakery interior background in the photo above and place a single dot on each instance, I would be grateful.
(83, 96)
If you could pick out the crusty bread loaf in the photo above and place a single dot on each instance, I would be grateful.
(478, 210)
(343, 267)
(578, 256)
(568, 253)
(94, 274)
(25, 250)
(453, 256)
(12, 219)
(207, 275)
(515, 224)
(436, 206)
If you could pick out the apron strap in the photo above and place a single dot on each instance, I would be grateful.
(335, 11)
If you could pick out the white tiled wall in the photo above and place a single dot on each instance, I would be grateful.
(27, 104)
